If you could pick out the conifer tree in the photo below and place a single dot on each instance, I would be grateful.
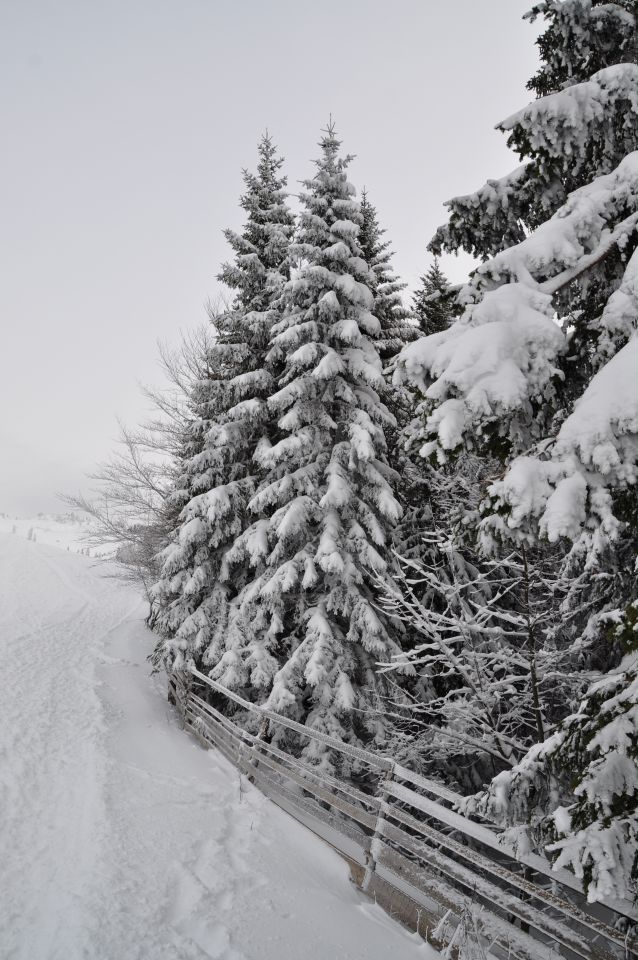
(327, 498)
(434, 302)
(397, 329)
(557, 403)
(218, 475)
(389, 309)
(506, 379)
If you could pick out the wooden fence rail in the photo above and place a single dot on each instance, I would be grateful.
(406, 844)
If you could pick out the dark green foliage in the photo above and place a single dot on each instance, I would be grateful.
(580, 39)
(435, 306)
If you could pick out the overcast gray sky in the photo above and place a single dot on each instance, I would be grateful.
(125, 128)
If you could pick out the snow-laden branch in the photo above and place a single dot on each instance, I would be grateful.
(563, 122)
(490, 369)
(479, 648)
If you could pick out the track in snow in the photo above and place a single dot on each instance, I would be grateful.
(120, 837)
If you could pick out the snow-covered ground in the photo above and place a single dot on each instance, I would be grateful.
(65, 530)
(120, 837)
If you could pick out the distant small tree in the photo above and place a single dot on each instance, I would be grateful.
(434, 302)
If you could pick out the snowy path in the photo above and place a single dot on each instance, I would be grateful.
(122, 839)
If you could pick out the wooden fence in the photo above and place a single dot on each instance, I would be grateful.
(406, 844)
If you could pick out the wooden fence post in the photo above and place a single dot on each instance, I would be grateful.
(262, 733)
(182, 693)
(372, 851)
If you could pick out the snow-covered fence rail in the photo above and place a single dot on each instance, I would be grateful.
(407, 845)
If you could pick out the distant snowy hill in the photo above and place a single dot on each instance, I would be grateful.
(68, 531)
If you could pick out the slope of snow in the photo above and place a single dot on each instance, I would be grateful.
(120, 837)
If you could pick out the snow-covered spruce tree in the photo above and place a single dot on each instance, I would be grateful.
(218, 475)
(583, 38)
(328, 498)
(397, 328)
(557, 402)
(435, 306)
(430, 493)
(388, 307)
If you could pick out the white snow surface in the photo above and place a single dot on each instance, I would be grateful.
(569, 114)
(120, 837)
(68, 531)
